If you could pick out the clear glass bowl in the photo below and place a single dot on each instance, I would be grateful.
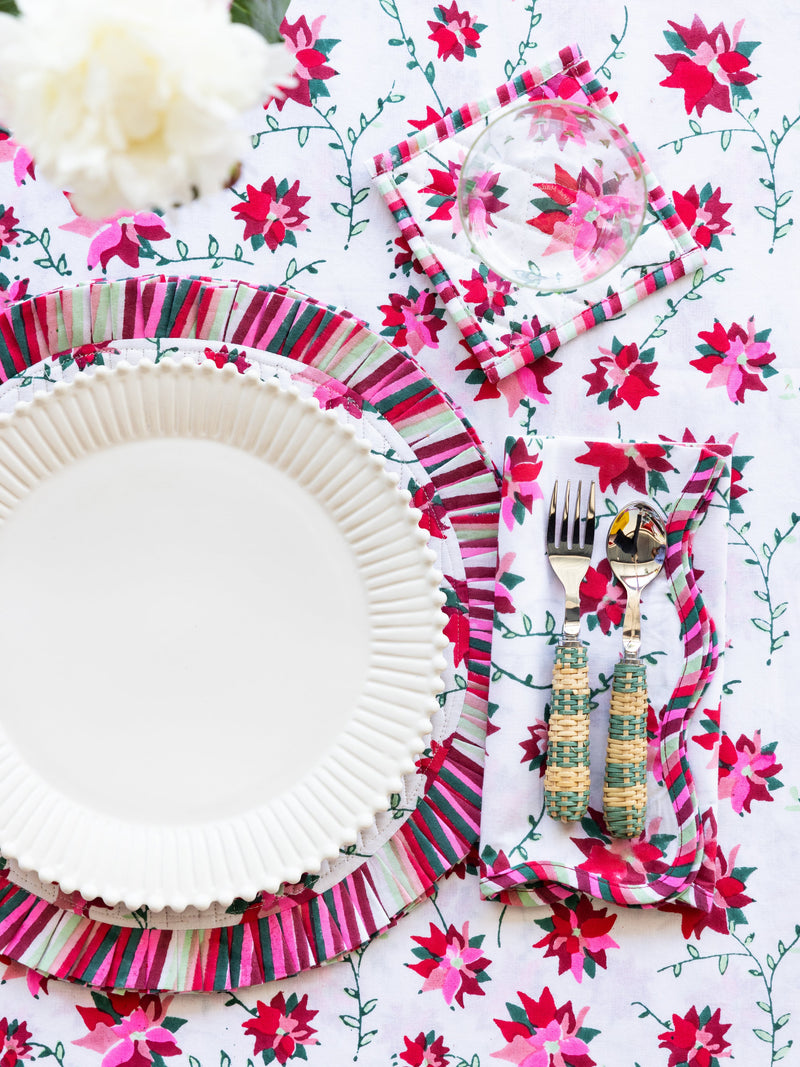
(552, 195)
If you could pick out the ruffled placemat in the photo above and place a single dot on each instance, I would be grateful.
(505, 326)
(435, 824)
(527, 857)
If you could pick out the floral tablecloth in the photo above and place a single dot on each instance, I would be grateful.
(710, 95)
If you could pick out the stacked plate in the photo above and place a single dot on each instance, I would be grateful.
(230, 701)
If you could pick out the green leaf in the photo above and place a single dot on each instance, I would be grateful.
(695, 126)
(508, 68)
(760, 624)
(676, 969)
(430, 73)
(272, 122)
(213, 246)
(349, 1020)
(291, 269)
(45, 238)
(224, 1059)
(183, 248)
(780, 1023)
(362, 194)
(723, 964)
(693, 951)
(773, 137)
(784, 198)
(302, 135)
(359, 227)
(677, 145)
(341, 209)
(697, 278)
(8, 7)
(389, 8)
(725, 139)
(765, 212)
(762, 1035)
(264, 16)
(781, 1052)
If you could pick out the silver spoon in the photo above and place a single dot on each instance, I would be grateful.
(636, 550)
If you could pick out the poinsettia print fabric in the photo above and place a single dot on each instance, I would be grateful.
(526, 857)
(709, 92)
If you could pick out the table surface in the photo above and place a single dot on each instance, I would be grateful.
(655, 991)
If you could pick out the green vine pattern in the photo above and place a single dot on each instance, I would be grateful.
(762, 560)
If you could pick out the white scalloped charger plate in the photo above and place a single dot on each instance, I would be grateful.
(221, 634)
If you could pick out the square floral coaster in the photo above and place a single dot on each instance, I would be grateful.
(418, 179)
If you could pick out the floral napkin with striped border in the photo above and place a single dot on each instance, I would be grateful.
(527, 857)
(505, 326)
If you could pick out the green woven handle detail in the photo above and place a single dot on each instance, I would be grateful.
(566, 779)
(625, 789)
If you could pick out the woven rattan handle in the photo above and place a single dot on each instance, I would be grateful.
(566, 778)
(625, 789)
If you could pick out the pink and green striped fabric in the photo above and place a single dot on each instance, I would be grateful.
(403, 173)
(66, 937)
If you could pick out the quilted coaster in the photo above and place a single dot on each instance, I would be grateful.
(505, 326)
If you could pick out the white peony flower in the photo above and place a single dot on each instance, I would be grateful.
(134, 104)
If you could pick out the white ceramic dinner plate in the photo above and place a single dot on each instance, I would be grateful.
(221, 635)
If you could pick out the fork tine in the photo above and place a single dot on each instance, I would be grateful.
(576, 522)
(551, 520)
(564, 529)
(589, 534)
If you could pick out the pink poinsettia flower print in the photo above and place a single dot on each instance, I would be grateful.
(18, 156)
(272, 214)
(456, 33)
(585, 214)
(736, 360)
(622, 376)
(14, 1038)
(282, 1027)
(120, 235)
(534, 747)
(729, 883)
(425, 1050)
(130, 1032)
(8, 222)
(708, 65)
(619, 859)
(703, 215)
(441, 191)
(483, 201)
(431, 115)
(577, 935)
(311, 53)
(625, 464)
(224, 355)
(747, 771)
(543, 1034)
(489, 294)
(696, 1039)
(17, 290)
(602, 598)
(37, 983)
(452, 962)
(521, 471)
(412, 321)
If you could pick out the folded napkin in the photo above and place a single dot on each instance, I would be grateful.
(527, 857)
(505, 326)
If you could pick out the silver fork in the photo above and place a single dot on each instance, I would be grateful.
(566, 780)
